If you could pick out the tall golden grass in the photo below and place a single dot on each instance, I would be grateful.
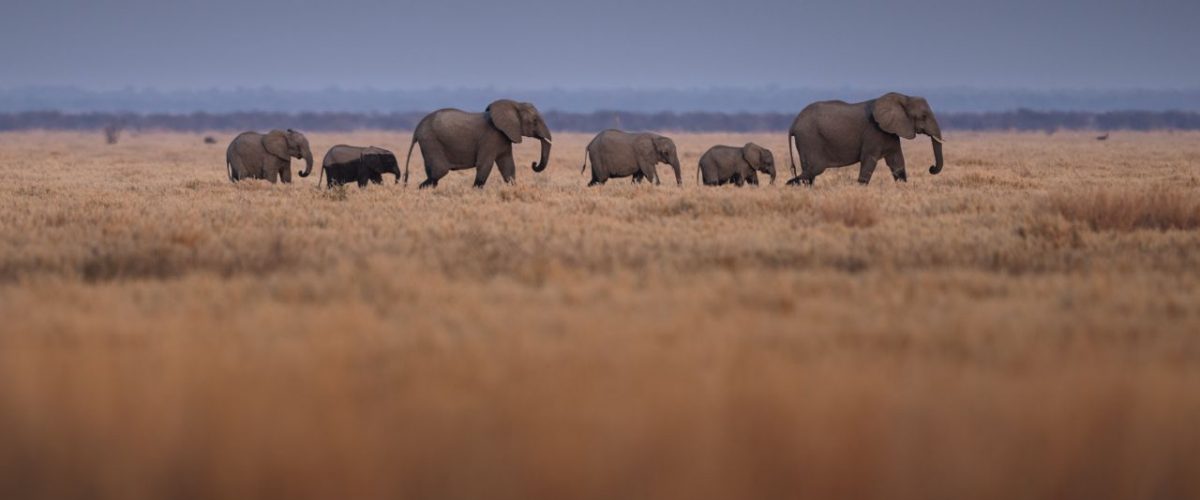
(1022, 326)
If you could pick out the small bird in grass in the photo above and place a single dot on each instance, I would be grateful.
(210, 140)
(1102, 137)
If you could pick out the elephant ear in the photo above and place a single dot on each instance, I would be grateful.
(753, 154)
(646, 149)
(891, 116)
(276, 143)
(663, 146)
(504, 116)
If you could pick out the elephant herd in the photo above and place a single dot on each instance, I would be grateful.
(826, 134)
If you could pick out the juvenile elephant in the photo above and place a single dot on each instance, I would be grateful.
(614, 153)
(831, 134)
(344, 164)
(721, 165)
(452, 139)
(252, 155)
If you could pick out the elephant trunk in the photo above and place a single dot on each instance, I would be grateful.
(772, 177)
(938, 162)
(308, 163)
(675, 166)
(545, 159)
(935, 138)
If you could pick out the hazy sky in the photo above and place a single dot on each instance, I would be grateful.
(303, 44)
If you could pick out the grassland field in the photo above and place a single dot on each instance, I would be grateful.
(1024, 325)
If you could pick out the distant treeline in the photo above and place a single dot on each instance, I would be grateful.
(1020, 120)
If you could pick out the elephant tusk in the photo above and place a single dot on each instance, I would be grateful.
(938, 139)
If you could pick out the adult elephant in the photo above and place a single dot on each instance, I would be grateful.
(344, 164)
(831, 134)
(722, 165)
(453, 139)
(615, 153)
(268, 156)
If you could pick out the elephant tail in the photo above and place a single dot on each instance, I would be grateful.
(585, 158)
(791, 141)
(409, 158)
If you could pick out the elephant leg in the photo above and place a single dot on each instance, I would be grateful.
(436, 165)
(285, 173)
(649, 172)
(709, 174)
(599, 172)
(271, 169)
(866, 169)
(895, 162)
(508, 167)
(482, 172)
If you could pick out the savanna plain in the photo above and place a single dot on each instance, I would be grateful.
(1024, 325)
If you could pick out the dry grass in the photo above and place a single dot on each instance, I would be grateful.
(1022, 326)
(1130, 209)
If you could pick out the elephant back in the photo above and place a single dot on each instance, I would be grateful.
(342, 154)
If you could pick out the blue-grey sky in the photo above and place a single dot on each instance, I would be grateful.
(305, 44)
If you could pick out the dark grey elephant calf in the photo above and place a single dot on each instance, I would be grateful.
(614, 153)
(344, 164)
(722, 165)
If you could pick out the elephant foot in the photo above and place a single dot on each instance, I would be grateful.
(429, 183)
(900, 176)
(478, 185)
(864, 182)
(595, 183)
(800, 181)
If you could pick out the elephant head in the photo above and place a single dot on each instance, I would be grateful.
(906, 117)
(521, 119)
(289, 144)
(760, 159)
(660, 149)
(381, 161)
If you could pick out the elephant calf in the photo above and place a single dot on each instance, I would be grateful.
(252, 155)
(344, 164)
(722, 165)
(614, 153)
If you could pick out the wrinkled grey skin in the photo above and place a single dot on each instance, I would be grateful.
(452, 139)
(831, 134)
(614, 153)
(252, 155)
(344, 164)
(722, 165)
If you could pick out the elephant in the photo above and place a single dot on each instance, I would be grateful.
(453, 139)
(252, 155)
(615, 153)
(344, 164)
(831, 134)
(721, 165)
